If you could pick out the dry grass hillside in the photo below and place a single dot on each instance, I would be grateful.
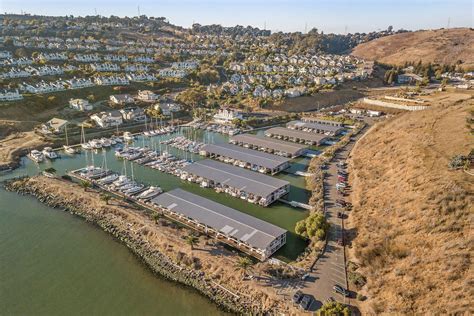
(412, 216)
(444, 46)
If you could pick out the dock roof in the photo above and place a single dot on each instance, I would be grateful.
(243, 227)
(307, 136)
(251, 156)
(317, 126)
(235, 177)
(275, 144)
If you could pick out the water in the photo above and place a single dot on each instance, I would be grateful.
(54, 263)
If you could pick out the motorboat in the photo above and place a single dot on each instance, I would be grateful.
(36, 155)
(69, 150)
(49, 153)
(105, 142)
(137, 188)
(150, 193)
(127, 136)
(109, 179)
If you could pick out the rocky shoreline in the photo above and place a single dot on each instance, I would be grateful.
(157, 261)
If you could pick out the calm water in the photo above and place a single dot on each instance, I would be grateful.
(54, 263)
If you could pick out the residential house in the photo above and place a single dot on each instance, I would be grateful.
(55, 125)
(107, 119)
(133, 114)
(121, 99)
(167, 108)
(10, 95)
(80, 105)
(147, 96)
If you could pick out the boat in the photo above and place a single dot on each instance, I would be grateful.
(36, 155)
(105, 142)
(135, 189)
(95, 144)
(68, 149)
(150, 193)
(49, 153)
(109, 179)
(127, 136)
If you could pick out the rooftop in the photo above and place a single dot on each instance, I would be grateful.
(246, 228)
(275, 144)
(235, 177)
(248, 155)
(307, 136)
(318, 126)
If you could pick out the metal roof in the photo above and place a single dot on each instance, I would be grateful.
(251, 156)
(317, 126)
(243, 227)
(307, 136)
(275, 144)
(310, 119)
(235, 177)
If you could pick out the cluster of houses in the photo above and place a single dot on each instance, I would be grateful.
(39, 71)
(8, 95)
(278, 76)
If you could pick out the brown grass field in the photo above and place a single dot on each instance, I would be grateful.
(412, 216)
(444, 46)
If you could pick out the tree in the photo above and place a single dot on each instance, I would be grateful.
(106, 198)
(192, 240)
(333, 309)
(243, 264)
(85, 184)
(315, 225)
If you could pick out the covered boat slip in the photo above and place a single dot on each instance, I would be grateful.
(246, 158)
(247, 185)
(269, 145)
(296, 136)
(315, 127)
(252, 235)
(309, 119)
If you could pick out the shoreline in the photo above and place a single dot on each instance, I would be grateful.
(160, 263)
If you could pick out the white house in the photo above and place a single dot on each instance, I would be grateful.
(147, 96)
(10, 95)
(133, 114)
(80, 105)
(121, 99)
(107, 119)
(167, 108)
(187, 65)
(55, 125)
(226, 115)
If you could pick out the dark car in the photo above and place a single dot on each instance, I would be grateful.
(340, 215)
(297, 297)
(306, 302)
(339, 289)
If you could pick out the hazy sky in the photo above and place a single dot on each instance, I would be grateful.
(284, 15)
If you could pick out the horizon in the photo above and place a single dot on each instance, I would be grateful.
(281, 15)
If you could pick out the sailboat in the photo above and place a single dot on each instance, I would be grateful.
(84, 145)
(68, 149)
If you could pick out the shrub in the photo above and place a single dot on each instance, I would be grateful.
(333, 309)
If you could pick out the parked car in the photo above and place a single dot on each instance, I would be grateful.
(297, 297)
(306, 302)
(340, 215)
(305, 276)
(339, 289)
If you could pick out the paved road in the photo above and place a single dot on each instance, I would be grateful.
(330, 268)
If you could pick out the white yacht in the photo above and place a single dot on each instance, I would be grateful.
(36, 155)
(109, 179)
(69, 150)
(127, 136)
(49, 153)
(150, 193)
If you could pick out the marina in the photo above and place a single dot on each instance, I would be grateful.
(245, 158)
(269, 145)
(319, 128)
(296, 136)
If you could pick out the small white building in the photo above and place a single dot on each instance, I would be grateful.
(226, 115)
(10, 95)
(80, 105)
(55, 125)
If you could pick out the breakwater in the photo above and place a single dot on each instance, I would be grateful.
(79, 203)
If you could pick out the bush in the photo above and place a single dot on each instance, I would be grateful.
(314, 226)
(333, 309)
(66, 177)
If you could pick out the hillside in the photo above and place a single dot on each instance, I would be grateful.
(411, 219)
(444, 46)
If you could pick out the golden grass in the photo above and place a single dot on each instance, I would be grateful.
(412, 216)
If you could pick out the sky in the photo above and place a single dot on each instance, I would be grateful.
(330, 16)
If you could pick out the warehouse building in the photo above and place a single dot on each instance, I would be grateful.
(246, 158)
(269, 145)
(309, 119)
(296, 136)
(247, 233)
(325, 129)
(245, 184)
